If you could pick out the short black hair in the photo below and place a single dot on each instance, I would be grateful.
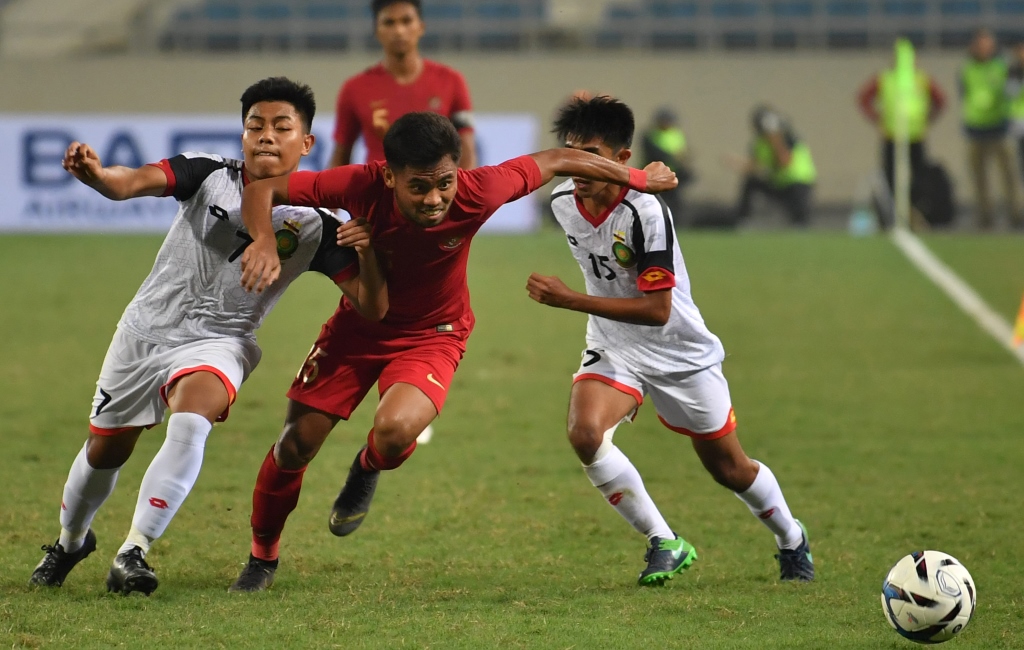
(378, 6)
(282, 89)
(601, 117)
(421, 140)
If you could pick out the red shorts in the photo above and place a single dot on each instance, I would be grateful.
(346, 360)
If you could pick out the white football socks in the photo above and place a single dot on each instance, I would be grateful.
(85, 491)
(765, 500)
(617, 479)
(169, 479)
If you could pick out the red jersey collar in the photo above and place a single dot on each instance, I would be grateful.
(245, 177)
(599, 219)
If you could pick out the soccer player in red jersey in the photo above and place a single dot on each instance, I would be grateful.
(403, 82)
(423, 212)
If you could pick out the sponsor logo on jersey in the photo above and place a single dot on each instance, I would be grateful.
(624, 255)
(451, 243)
(288, 239)
(434, 103)
(654, 275)
(447, 327)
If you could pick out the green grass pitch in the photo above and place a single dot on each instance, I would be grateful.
(892, 423)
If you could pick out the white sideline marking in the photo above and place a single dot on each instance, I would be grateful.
(966, 298)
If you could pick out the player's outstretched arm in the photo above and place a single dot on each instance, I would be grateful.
(652, 308)
(653, 178)
(368, 291)
(114, 182)
(261, 265)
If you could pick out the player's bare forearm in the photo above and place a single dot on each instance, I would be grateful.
(261, 265)
(115, 182)
(468, 160)
(656, 177)
(371, 289)
(342, 155)
(122, 183)
(653, 308)
(258, 201)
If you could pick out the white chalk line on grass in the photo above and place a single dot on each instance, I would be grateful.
(961, 293)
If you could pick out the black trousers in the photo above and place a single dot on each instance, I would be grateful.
(795, 199)
(917, 161)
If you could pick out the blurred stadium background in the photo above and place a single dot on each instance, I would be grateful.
(892, 421)
(709, 60)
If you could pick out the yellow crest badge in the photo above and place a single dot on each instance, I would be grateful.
(623, 254)
(288, 239)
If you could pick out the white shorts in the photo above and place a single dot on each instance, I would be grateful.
(132, 388)
(694, 403)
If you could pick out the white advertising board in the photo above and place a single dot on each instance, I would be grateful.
(39, 196)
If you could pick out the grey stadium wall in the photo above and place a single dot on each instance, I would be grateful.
(713, 93)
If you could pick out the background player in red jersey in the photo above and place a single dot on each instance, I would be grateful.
(423, 211)
(403, 82)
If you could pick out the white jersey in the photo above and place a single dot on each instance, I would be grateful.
(628, 250)
(194, 291)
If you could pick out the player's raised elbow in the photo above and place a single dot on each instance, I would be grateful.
(660, 317)
(659, 308)
(374, 310)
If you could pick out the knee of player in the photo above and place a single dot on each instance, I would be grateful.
(395, 431)
(585, 437)
(736, 476)
(293, 451)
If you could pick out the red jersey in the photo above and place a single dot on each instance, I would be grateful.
(425, 267)
(371, 101)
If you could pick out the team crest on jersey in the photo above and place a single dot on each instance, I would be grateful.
(624, 255)
(451, 243)
(288, 239)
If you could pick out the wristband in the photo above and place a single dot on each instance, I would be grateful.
(637, 179)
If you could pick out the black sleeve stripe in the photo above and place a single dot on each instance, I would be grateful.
(189, 174)
(670, 229)
(646, 259)
(331, 259)
(558, 195)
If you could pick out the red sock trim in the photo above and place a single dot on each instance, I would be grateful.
(265, 549)
(372, 459)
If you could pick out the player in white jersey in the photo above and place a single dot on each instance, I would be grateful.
(187, 340)
(646, 337)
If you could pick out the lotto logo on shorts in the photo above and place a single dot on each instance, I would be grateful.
(158, 503)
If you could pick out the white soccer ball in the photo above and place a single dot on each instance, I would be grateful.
(928, 597)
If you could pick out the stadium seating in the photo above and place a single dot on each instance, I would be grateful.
(508, 25)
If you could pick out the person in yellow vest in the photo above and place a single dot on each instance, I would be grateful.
(780, 167)
(986, 119)
(665, 142)
(878, 102)
(1015, 95)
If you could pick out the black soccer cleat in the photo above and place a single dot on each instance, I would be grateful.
(257, 575)
(353, 502)
(129, 573)
(57, 563)
(797, 564)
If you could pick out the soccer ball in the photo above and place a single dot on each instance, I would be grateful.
(928, 597)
